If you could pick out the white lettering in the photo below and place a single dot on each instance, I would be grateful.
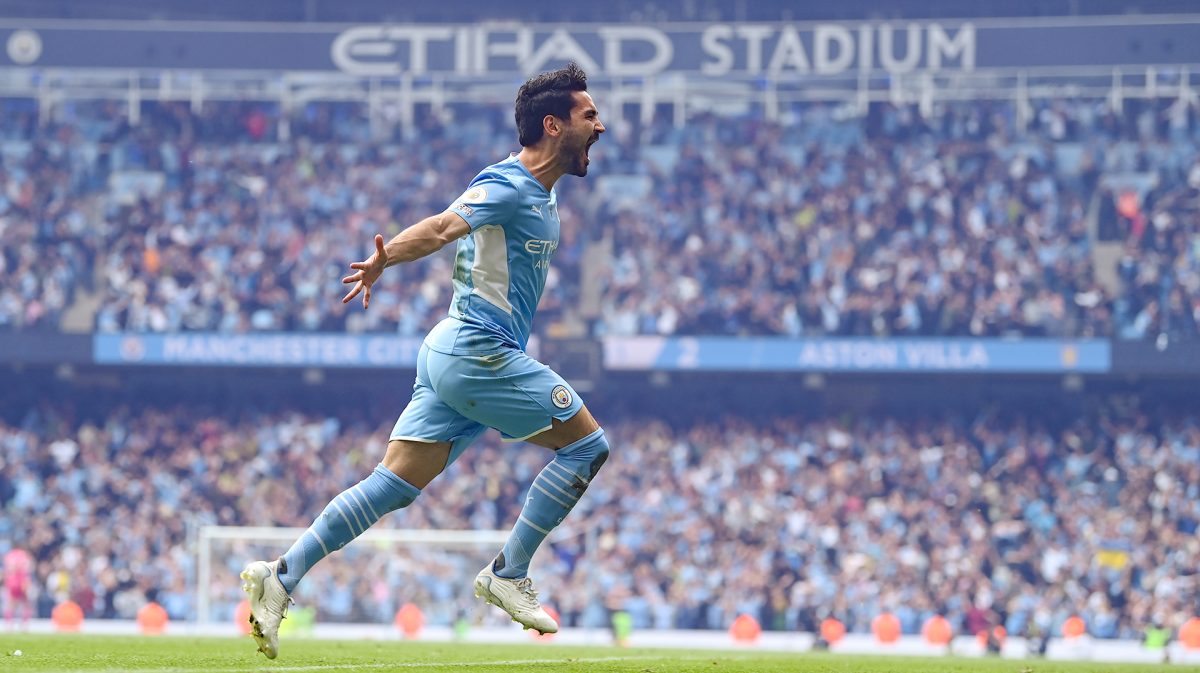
(535, 247)
(912, 50)
(301, 350)
(689, 353)
(560, 46)
(937, 355)
(519, 49)
(754, 36)
(712, 42)
(864, 47)
(352, 42)
(173, 346)
(875, 356)
(392, 351)
(962, 47)
(810, 356)
(463, 40)
(418, 45)
(827, 35)
(977, 357)
(848, 354)
(789, 52)
(825, 49)
(921, 356)
(614, 37)
(371, 50)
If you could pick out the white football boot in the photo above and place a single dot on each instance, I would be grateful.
(268, 604)
(516, 597)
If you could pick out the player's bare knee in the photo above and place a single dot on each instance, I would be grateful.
(416, 462)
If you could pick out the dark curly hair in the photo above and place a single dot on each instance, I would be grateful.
(546, 94)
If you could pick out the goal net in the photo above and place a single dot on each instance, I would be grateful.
(367, 581)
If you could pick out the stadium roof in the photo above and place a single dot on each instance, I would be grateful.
(613, 11)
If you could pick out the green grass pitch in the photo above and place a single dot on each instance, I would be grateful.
(78, 653)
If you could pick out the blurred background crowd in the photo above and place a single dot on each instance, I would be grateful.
(980, 219)
(986, 518)
(1061, 201)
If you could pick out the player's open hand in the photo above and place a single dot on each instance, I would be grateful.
(366, 273)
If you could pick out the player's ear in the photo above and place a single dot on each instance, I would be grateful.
(551, 125)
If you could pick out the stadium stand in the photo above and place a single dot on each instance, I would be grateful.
(888, 225)
(1019, 518)
(1046, 482)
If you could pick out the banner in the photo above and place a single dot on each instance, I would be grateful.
(856, 355)
(45, 348)
(639, 353)
(257, 350)
(515, 50)
(1181, 358)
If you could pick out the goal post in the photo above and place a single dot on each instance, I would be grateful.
(448, 555)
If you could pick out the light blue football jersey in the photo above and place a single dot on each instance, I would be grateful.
(501, 266)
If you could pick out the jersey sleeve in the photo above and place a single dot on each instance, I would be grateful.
(490, 199)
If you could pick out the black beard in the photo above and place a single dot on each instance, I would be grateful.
(575, 164)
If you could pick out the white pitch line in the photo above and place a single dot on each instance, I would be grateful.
(401, 664)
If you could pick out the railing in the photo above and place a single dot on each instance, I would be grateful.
(688, 68)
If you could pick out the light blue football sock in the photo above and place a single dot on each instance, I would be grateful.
(346, 517)
(554, 492)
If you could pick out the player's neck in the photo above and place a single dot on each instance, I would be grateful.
(542, 164)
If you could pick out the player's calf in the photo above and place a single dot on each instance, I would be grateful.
(346, 517)
(551, 497)
(553, 494)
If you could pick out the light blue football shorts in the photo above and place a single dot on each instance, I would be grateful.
(457, 397)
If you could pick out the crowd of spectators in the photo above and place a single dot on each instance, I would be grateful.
(963, 222)
(986, 519)
(198, 222)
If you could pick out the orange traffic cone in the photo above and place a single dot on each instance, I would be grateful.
(67, 616)
(410, 620)
(1189, 634)
(152, 618)
(886, 628)
(996, 635)
(937, 630)
(832, 630)
(745, 629)
(241, 616)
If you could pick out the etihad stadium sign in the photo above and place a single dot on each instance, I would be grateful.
(641, 51)
(728, 50)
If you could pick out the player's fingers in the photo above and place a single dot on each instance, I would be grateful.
(353, 277)
(352, 293)
(361, 266)
(367, 297)
(379, 244)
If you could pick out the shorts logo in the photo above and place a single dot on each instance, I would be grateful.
(561, 397)
(474, 195)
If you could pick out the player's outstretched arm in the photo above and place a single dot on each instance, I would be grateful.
(420, 240)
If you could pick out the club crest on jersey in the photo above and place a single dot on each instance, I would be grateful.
(475, 194)
(561, 397)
